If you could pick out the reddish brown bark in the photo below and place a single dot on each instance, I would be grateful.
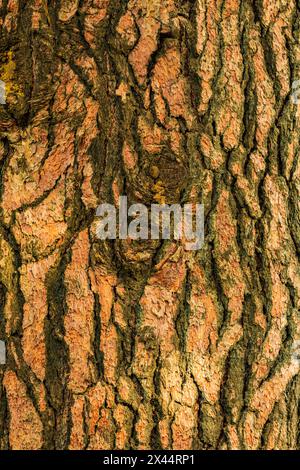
(144, 345)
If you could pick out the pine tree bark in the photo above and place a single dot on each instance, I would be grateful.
(142, 344)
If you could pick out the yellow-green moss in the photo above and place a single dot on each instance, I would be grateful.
(7, 75)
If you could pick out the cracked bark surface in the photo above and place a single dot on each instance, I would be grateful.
(143, 345)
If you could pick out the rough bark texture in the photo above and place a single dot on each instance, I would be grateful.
(143, 345)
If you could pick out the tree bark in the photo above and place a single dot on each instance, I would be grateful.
(142, 344)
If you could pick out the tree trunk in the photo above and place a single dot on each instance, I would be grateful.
(124, 344)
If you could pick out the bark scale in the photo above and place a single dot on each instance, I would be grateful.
(143, 345)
